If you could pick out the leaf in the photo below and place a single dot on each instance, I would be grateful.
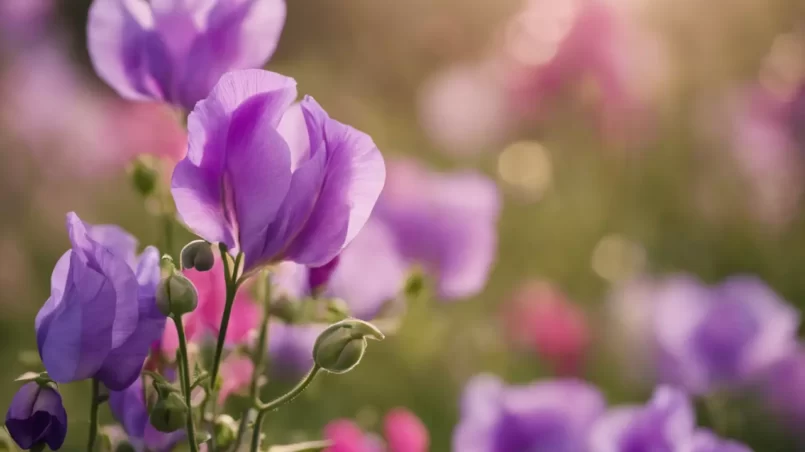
(302, 447)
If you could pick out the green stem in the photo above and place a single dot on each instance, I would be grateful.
(256, 432)
(258, 355)
(263, 408)
(230, 277)
(93, 415)
(185, 374)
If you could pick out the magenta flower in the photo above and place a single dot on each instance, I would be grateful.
(541, 319)
(403, 430)
(447, 223)
(129, 408)
(37, 417)
(666, 423)
(551, 416)
(176, 50)
(205, 321)
(727, 335)
(255, 185)
(236, 374)
(101, 317)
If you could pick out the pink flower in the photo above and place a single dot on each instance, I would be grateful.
(404, 433)
(236, 374)
(542, 319)
(205, 321)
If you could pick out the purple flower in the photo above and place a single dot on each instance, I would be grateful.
(291, 347)
(37, 417)
(101, 317)
(274, 182)
(666, 423)
(721, 336)
(444, 222)
(784, 389)
(550, 416)
(176, 50)
(129, 408)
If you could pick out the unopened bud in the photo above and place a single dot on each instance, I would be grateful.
(340, 347)
(176, 295)
(169, 413)
(198, 254)
(144, 175)
(226, 430)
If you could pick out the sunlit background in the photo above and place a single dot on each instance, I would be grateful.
(631, 141)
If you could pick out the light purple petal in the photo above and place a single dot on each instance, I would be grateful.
(480, 412)
(201, 187)
(706, 441)
(291, 348)
(118, 32)
(355, 175)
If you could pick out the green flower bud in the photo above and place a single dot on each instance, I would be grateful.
(144, 175)
(340, 347)
(198, 254)
(176, 295)
(225, 430)
(169, 413)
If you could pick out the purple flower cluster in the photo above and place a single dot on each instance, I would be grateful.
(571, 416)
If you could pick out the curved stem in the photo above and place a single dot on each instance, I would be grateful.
(258, 355)
(290, 395)
(230, 277)
(93, 415)
(185, 374)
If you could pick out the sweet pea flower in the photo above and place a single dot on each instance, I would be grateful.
(540, 318)
(37, 417)
(552, 415)
(251, 182)
(667, 423)
(291, 347)
(129, 408)
(783, 389)
(403, 430)
(445, 222)
(176, 50)
(713, 337)
(236, 374)
(101, 317)
(205, 321)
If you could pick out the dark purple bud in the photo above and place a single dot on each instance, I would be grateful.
(37, 417)
(318, 277)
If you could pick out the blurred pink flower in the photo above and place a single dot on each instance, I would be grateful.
(205, 321)
(236, 374)
(147, 128)
(405, 432)
(541, 318)
(403, 429)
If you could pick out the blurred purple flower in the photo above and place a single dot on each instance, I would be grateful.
(23, 22)
(291, 347)
(784, 389)
(552, 416)
(445, 222)
(129, 408)
(666, 423)
(37, 417)
(726, 335)
(176, 50)
(101, 317)
(241, 183)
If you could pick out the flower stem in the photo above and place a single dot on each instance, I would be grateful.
(185, 375)
(263, 408)
(258, 354)
(93, 415)
(230, 277)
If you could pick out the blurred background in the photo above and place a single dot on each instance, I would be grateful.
(629, 139)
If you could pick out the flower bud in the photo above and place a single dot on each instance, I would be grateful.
(198, 254)
(176, 295)
(169, 413)
(144, 175)
(225, 430)
(340, 347)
